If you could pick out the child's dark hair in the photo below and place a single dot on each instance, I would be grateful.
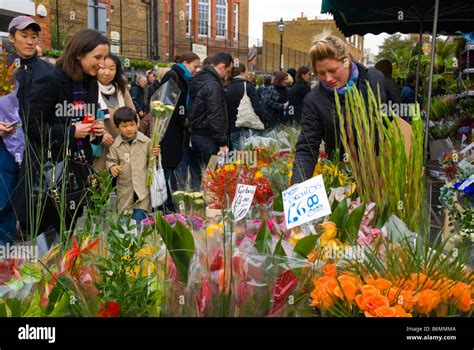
(125, 115)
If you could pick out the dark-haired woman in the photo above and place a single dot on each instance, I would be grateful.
(297, 93)
(176, 138)
(61, 127)
(275, 100)
(113, 94)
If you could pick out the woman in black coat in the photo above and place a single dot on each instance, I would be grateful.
(60, 127)
(297, 93)
(336, 72)
(234, 93)
(176, 138)
(275, 101)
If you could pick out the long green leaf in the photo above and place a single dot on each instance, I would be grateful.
(306, 245)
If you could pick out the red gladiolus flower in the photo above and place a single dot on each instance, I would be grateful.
(109, 309)
(283, 286)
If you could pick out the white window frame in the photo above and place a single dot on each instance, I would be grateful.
(235, 14)
(226, 19)
(189, 20)
(209, 17)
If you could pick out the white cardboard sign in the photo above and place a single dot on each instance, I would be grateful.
(242, 201)
(305, 202)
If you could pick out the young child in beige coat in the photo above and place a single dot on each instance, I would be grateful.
(127, 160)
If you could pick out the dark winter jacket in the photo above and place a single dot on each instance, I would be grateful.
(296, 96)
(234, 93)
(138, 98)
(172, 143)
(51, 94)
(30, 70)
(208, 110)
(272, 106)
(320, 122)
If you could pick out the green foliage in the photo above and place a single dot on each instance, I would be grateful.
(123, 277)
(263, 238)
(377, 156)
(180, 244)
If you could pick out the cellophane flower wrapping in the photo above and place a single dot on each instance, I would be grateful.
(162, 106)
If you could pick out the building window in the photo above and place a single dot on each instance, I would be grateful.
(100, 13)
(189, 16)
(221, 18)
(236, 21)
(204, 13)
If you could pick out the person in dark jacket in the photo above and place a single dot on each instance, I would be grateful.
(292, 72)
(234, 93)
(408, 90)
(152, 85)
(391, 88)
(137, 92)
(297, 93)
(172, 145)
(57, 129)
(267, 82)
(23, 34)
(337, 72)
(208, 113)
(275, 101)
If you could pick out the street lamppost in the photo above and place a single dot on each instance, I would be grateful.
(281, 28)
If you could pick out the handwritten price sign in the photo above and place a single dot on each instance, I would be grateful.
(242, 201)
(305, 202)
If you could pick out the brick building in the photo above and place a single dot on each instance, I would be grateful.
(39, 10)
(143, 29)
(297, 38)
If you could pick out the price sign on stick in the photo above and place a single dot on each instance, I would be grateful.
(305, 202)
(242, 201)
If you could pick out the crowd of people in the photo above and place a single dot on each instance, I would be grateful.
(111, 124)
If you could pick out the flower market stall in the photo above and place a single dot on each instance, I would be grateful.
(350, 242)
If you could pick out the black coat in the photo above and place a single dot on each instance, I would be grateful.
(50, 94)
(172, 143)
(320, 122)
(30, 70)
(234, 93)
(296, 96)
(138, 98)
(208, 110)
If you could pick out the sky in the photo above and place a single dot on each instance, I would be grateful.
(272, 10)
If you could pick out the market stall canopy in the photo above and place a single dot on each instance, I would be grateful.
(367, 16)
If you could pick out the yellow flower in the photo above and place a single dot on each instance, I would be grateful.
(213, 229)
(258, 175)
(296, 237)
(329, 233)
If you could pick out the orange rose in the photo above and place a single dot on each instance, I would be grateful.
(400, 312)
(428, 299)
(382, 284)
(346, 291)
(385, 311)
(330, 270)
(393, 295)
(371, 303)
(408, 300)
(464, 303)
(369, 290)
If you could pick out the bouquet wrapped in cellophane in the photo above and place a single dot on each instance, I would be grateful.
(162, 106)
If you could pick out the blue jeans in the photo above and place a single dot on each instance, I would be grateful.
(203, 148)
(138, 215)
(8, 182)
(236, 140)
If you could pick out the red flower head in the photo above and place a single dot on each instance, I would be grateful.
(109, 309)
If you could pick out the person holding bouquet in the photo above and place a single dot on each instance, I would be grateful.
(127, 160)
(60, 127)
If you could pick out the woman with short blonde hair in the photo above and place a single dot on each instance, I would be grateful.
(337, 72)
